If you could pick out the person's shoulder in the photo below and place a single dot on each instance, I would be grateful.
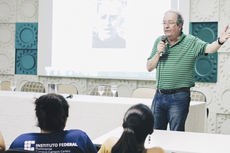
(155, 150)
(193, 39)
(76, 132)
(22, 138)
(107, 146)
(28, 135)
(190, 36)
(111, 141)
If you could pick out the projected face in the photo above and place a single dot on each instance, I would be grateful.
(108, 20)
(108, 25)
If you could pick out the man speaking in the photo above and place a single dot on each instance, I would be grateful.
(174, 58)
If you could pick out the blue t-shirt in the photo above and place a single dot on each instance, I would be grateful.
(58, 142)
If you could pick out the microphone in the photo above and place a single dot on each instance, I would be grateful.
(163, 38)
(70, 96)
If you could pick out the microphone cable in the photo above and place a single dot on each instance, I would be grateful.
(159, 64)
(163, 38)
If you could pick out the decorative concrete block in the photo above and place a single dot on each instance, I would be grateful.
(204, 10)
(206, 31)
(223, 124)
(26, 62)
(223, 67)
(4, 77)
(26, 36)
(8, 11)
(224, 10)
(7, 36)
(208, 89)
(205, 66)
(221, 27)
(211, 123)
(222, 98)
(22, 79)
(146, 84)
(7, 57)
(27, 11)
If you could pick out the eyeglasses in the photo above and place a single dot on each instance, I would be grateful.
(168, 23)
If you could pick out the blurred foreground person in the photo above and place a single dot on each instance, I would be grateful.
(137, 123)
(52, 111)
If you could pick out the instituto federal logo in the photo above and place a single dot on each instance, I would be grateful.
(27, 145)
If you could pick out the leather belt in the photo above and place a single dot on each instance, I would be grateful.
(173, 91)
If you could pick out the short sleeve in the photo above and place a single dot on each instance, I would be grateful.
(199, 47)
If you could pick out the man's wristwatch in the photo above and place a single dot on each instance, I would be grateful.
(218, 40)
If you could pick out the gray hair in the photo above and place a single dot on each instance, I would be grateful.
(180, 19)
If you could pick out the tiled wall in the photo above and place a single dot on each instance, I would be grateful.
(208, 18)
(18, 56)
(18, 38)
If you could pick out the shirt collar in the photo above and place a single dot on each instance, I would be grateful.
(180, 40)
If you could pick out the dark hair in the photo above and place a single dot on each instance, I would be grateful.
(52, 111)
(137, 123)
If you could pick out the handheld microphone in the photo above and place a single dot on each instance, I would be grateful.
(163, 38)
(70, 96)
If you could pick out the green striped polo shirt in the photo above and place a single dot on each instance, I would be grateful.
(175, 68)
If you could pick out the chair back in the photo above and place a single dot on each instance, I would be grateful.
(147, 93)
(197, 96)
(33, 87)
(107, 92)
(67, 89)
(5, 85)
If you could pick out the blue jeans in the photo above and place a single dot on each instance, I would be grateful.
(172, 109)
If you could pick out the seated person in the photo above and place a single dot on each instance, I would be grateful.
(137, 123)
(52, 113)
(2, 144)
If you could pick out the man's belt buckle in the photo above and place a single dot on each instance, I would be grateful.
(160, 91)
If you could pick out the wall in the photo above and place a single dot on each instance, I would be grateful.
(18, 55)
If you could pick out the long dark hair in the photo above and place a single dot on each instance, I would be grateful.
(137, 123)
(52, 111)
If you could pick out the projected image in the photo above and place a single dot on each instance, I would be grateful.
(103, 38)
(109, 30)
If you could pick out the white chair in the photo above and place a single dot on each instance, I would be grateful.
(147, 93)
(198, 96)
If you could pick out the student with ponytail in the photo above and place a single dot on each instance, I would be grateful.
(138, 122)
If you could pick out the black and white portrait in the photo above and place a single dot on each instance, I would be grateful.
(108, 31)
